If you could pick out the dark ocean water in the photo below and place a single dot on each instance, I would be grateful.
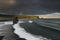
(49, 28)
(52, 23)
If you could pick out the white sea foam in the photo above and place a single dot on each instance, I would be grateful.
(23, 34)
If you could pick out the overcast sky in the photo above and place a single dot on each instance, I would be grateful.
(35, 7)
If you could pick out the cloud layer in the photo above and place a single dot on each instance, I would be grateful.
(35, 7)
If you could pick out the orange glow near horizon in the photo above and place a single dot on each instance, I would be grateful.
(45, 17)
(49, 17)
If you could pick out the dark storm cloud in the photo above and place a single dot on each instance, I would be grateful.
(35, 7)
(42, 6)
(53, 4)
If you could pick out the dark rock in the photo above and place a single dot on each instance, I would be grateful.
(15, 20)
(21, 39)
(1, 37)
